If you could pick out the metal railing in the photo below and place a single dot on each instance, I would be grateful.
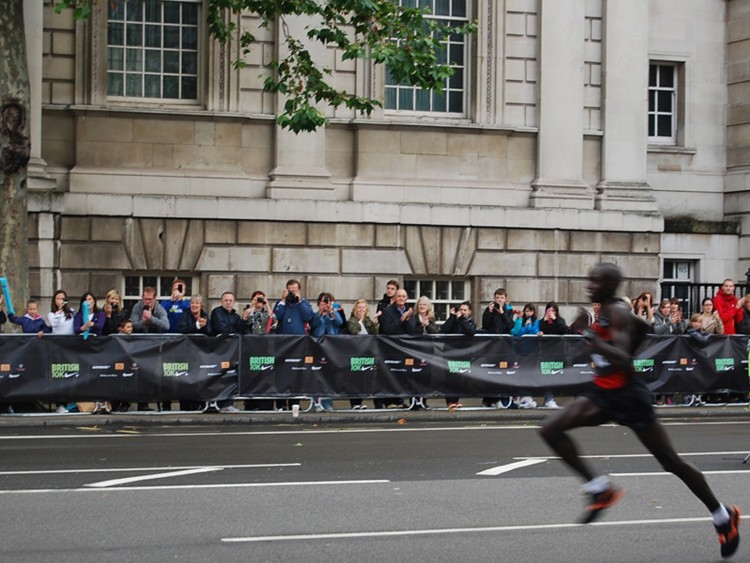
(691, 295)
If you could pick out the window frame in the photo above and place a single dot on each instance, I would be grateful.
(677, 134)
(415, 288)
(415, 90)
(94, 66)
(129, 298)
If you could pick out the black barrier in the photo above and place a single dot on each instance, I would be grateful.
(198, 368)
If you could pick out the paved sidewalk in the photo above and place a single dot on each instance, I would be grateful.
(437, 414)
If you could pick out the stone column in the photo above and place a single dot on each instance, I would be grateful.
(559, 181)
(33, 15)
(300, 171)
(623, 184)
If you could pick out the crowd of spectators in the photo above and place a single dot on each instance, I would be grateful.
(293, 314)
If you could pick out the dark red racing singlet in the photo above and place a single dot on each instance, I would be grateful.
(607, 376)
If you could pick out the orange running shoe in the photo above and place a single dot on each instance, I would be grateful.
(600, 502)
(729, 533)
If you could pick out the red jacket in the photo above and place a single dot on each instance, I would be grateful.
(726, 306)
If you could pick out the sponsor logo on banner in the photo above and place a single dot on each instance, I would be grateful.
(459, 366)
(65, 371)
(262, 363)
(643, 366)
(6, 370)
(175, 369)
(406, 365)
(551, 368)
(724, 364)
(362, 364)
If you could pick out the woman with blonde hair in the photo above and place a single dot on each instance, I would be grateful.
(113, 312)
(423, 321)
(360, 323)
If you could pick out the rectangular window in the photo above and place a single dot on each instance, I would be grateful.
(444, 294)
(133, 287)
(152, 49)
(451, 102)
(678, 283)
(662, 103)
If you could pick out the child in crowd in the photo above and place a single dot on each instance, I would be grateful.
(126, 327)
(31, 322)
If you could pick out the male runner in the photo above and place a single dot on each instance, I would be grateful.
(618, 394)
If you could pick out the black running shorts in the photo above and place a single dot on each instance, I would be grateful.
(629, 406)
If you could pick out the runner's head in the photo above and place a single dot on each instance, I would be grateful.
(603, 282)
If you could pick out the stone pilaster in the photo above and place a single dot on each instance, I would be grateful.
(623, 184)
(559, 181)
(33, 14)
(300, 171)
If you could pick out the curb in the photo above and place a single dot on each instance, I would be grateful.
(310, 419)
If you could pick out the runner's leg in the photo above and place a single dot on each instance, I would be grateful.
(581, 412)
(658, 443)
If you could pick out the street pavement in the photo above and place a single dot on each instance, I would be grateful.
(429, 486)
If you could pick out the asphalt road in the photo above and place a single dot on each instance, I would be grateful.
(381, 492)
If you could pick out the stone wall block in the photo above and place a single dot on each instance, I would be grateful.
(341, 234)
(266, 232)
(389, 236)
(75, 284)
(346, 290)
(221, 232)
(528, 239)
(562, 265)
(491, 239)
(504, 264)
(75, 228)
(634, 266)
(100, 285)
(107, 229)
(390, 263)
(312, 260)
(94, 256)
(246, 284)
(586, 241)
(648, 243)
(216, 285)
(168, 131)
(459, 245)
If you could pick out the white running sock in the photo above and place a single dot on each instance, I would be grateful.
(720, 515)
(597, 485)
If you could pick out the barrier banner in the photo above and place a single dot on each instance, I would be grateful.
(168, 367)
(130, 368)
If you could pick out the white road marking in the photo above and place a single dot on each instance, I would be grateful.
(139, 469)
(206, 486)
(499, 470)
(743, 453)
(426, 532)
(665, 473)
(126, 480)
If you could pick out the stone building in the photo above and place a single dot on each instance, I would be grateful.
(573, 131)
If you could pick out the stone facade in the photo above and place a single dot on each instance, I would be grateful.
(548, 171)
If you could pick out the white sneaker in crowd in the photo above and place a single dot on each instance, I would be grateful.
(551, 404)
(61, 410)
(229, 408)
(527, 403)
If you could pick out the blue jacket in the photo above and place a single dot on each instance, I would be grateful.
(29, 325)
(293, 319)
(325, 324)
(524, 329)
(175, 311)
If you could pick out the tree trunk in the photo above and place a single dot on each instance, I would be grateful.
(15, 149)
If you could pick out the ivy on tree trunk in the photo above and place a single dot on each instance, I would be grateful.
(15, 150)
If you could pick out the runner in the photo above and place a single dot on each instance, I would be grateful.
(617, 394)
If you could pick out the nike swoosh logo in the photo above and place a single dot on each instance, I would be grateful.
(264, 368)
(66, 375)
(14, 375)
(180, 373)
